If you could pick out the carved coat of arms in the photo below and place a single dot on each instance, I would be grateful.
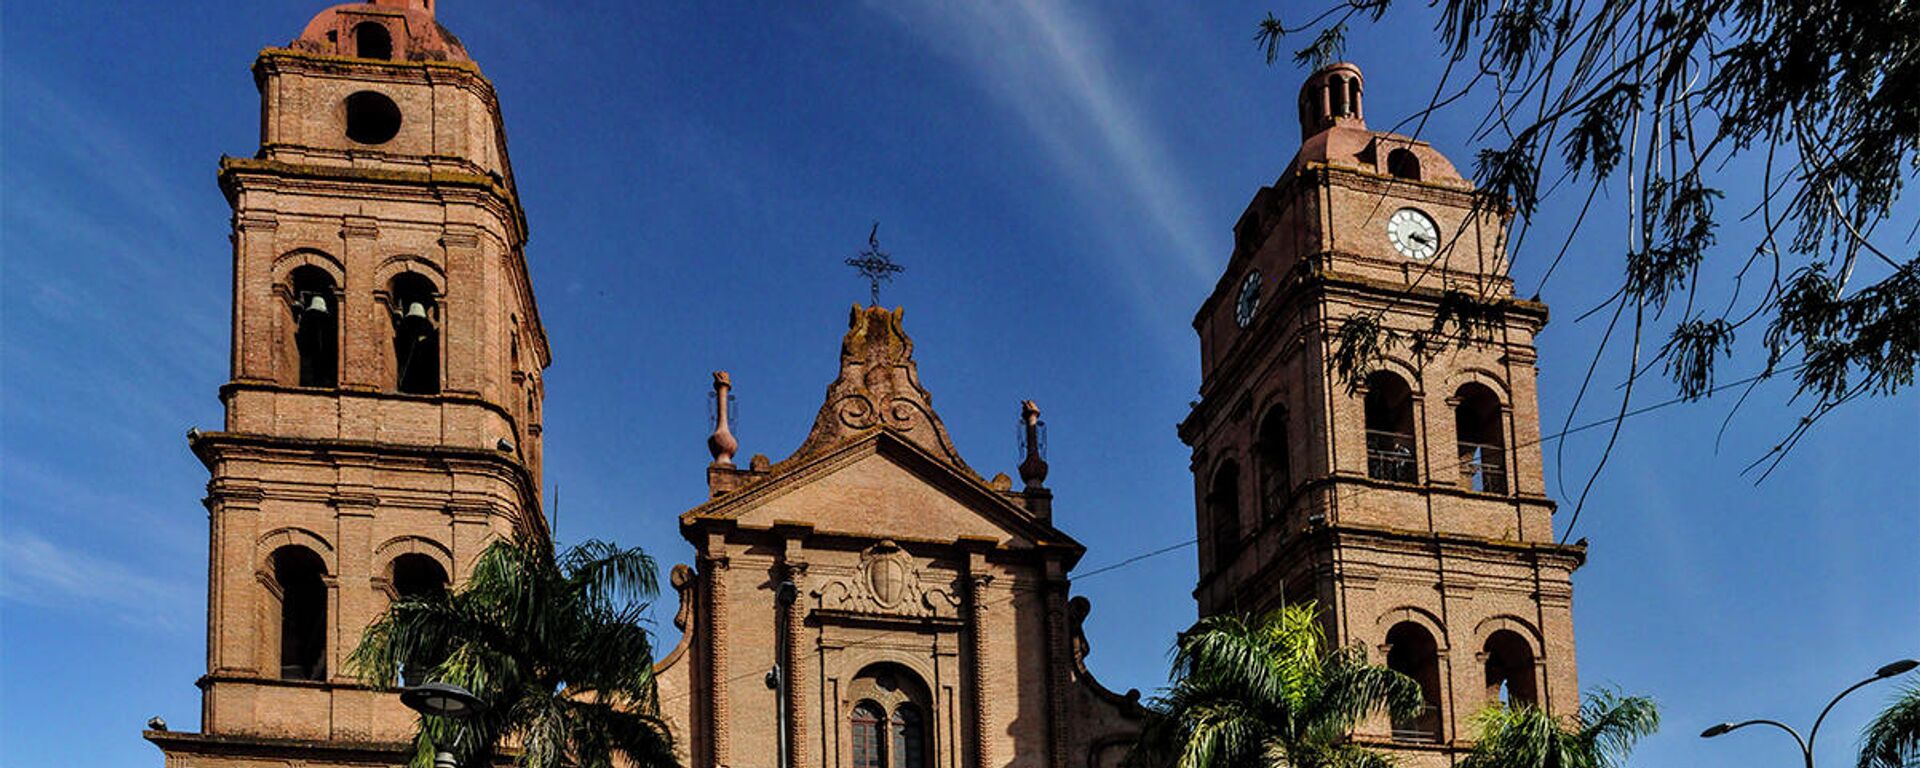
(888, 582)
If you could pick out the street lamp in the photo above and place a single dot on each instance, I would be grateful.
(442, 700)
(1900, 667)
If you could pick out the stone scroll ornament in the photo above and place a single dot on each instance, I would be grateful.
(888, 583)
(878, 387)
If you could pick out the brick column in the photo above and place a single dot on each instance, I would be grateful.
(796, 662)
(356, 603)
(233, 586)
(464, 328)
(713, 565)
(978, 581)
(366, 332)
(254, 339)
(1053, 595)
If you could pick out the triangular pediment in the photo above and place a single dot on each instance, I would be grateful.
(882, 486)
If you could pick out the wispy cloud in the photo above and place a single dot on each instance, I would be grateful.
(1051, 66)
(36, 571)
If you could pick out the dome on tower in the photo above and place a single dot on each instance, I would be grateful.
(396, 30)
(1330, 97)
(1333, 131)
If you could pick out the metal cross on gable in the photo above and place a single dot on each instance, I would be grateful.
(874, 264)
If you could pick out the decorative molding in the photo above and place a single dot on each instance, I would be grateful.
(359, 226)
(682, 579)
(460, 236)
(888, 583)
(878, 387)
(256, 220)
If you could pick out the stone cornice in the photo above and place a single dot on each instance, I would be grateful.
(722, 512)
(444, 398)
(232, 169)
(209, 447)
(328, 751)
(465, 73)
(1329, 537)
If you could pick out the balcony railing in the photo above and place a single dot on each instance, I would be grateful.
(1423, 726)
(1390, 457)
(1483, 467)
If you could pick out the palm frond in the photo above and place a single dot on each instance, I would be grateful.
(1611, 724)
(1892, 739)
(1268, 691)
(1351, 690)
(558, 647)
(1602, 735)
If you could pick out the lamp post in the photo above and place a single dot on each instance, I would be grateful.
(1900, 667)
(442, 700)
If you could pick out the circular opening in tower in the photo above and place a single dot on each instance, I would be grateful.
(372, 118)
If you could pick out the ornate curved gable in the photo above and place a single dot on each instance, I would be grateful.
(878, 388)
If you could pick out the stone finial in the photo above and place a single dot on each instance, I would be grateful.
(1033, 468)
(1331, 96)
(722, 443)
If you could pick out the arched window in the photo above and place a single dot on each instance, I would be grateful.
(417, 576)
(909, 737)
(316, 327)
(1402, 164)
(1510, 677)
(1411, 651)
(869, 749)
(416, 338)
(1276, 471)
(1483, 452)
(1390, 453)
(1223, 513)
(300, 576)
(1337, 105)
(372, 41)
(902, 739)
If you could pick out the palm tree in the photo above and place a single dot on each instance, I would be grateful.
(1601, 735)
(1270, 692)
(1892, 740)
(556, 646)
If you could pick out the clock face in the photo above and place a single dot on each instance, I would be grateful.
(1413, 234)
(1249, 299)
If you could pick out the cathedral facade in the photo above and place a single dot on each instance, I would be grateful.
(869, 600)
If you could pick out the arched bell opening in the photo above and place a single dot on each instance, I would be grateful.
(300, 584)
(316, 326)
(1390, 445)
(1412, 651)
(416, 335)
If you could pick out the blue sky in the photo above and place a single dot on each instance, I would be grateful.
(1060, 180)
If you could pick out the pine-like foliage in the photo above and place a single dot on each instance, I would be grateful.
(1892, 740)
(1269, 692)
(557, 646)
(1600, 736)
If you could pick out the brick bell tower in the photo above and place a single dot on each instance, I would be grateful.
(383, 415)
(1410, 506)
